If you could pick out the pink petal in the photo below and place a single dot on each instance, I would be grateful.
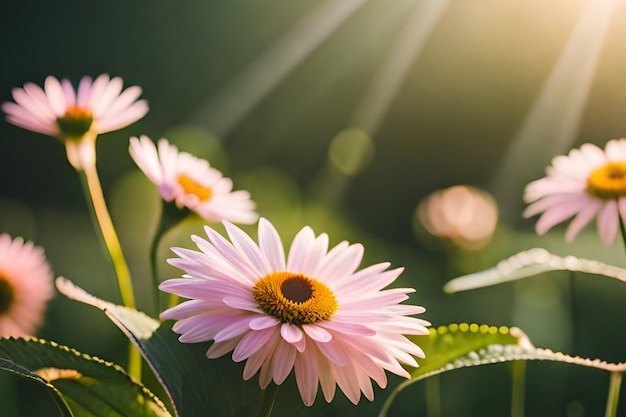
(84, 89)
(54, 93)
(307, 376)
(282, 362)
(291, 333)
(584, 216)
(608, 222)
(299, 251)
(558, 214)
(271, 246)
(263, 322)
(317, 333)
(250, 343)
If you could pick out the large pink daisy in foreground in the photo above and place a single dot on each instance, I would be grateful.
(191, 182)
(25, 286)
(586, 182)
(311, 312)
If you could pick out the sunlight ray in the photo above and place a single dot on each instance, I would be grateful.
(357, 141)
(552, 123)
(230, 105)
(393, 70)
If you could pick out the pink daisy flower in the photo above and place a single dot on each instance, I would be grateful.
(76, 117)
(191, 182)
(25, 286)
(586, 182)
(58, 110)
(311, 312)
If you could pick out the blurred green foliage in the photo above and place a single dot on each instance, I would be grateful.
(462, 101)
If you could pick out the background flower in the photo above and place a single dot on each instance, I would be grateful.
(25, 286)
(58, 110)
(76, 117)
(191, 182)
(586, 182)
(311, 312)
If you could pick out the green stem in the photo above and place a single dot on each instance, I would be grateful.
(269, 399)
(154, 262)
(614, 387)
(170, 217)
(99, 211)
(518, 369)
(433, 396)
(622, 229)
(392, 397)
(98, 206)
(573, 310)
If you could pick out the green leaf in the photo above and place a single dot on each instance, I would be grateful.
(463, 345)
(57, 397)
(196, 385)
(85, 385)
(529, 263)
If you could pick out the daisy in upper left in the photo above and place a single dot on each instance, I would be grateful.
(76, 116)
(25, 286)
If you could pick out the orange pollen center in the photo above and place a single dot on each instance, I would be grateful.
(294, 298)
(192, 187)
(75, 122)
(608, 181)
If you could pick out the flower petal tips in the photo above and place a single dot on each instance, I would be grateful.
(587, 182)
(191, 182)
(310, 312)
(58, 110)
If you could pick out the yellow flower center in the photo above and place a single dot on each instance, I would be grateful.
(608, 181)
(294, 298)
(7, 295)
(192, 187)
(75, 122)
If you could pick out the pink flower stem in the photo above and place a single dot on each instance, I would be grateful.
(99, 211)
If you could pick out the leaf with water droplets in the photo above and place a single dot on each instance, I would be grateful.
(529, 263)
(462, 345)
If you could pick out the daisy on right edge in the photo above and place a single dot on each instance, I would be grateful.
(586, 182)
(191, 182)
(310, 311)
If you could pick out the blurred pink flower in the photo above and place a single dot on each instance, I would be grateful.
(586, 182)
(191, 182)
(76, 117)
(465, 215)
(60, 111)
(25, 286)
(311, 312)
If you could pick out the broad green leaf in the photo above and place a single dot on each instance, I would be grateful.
(57, 397)
(88, 385)
(460, 345)
(463, 345)
(196, 385)
(529, 263)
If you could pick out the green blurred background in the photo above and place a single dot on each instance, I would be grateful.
(345, 115)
